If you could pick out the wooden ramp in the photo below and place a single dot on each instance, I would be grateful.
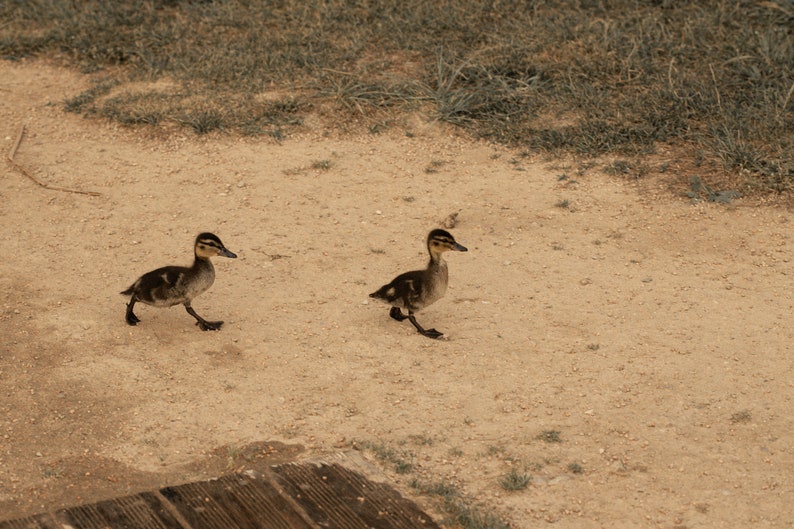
(289, 496)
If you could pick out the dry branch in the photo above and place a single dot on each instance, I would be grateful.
(21, 169)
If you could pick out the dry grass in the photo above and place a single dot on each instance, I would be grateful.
(615, 78)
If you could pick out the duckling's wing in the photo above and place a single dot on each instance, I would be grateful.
(163, 285)
(404, 291)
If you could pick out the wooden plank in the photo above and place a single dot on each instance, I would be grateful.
(39, 521)
(140, 511)
(307, 495)
(237, 501)
(334, 496)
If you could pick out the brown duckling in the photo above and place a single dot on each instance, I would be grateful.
(171, 285)
(416, 290)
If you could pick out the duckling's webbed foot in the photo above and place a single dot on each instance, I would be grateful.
(430, 333)
(397, 314)
(131, 318)
(203, 324)
(209, 325)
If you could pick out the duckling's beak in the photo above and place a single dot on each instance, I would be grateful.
(459, 248)
(227, 253)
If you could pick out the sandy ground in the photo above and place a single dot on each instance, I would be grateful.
(654, 335)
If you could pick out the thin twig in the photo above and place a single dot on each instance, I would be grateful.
(716, 88)
(21, 169)
(13, 150)
(670, 83)
(785, 101)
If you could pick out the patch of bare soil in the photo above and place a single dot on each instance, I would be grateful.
(627, 350)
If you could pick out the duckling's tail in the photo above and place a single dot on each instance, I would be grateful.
(129, 291)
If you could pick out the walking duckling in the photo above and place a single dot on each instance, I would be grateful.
(416, 290)
(171, 285)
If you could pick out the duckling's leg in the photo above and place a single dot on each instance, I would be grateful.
(132, 319)
(430, 333)
(203, 324)
(397, 314)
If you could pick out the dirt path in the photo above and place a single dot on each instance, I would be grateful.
(653, 335)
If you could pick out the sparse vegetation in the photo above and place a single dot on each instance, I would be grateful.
(321, 165)
(713, 82)
(514, 480)
(400, 460)
(421, 439)
(550, 436)
(462, 511)
(434, 166)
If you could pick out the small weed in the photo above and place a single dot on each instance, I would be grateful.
(403, 467)
(421, 439)
(434, 166)
(575, 468)
(563, 204)
(52, 473)
(377, 128)
(461, 511)
(202, 121)
(593, 346)
(734, 151)
(535, 467)
(401, 461)
(440, 488)
(322, 165)
(550, 436)
(741, 417)
(514, 480)
(618, 168)
(494, 450)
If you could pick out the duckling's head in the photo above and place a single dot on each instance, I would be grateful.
(439, 241)
(209, 245)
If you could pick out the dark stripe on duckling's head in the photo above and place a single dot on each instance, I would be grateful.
(441, 241)
(209, 245)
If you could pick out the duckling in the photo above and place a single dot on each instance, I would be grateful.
(171, 285)
(416, 290)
